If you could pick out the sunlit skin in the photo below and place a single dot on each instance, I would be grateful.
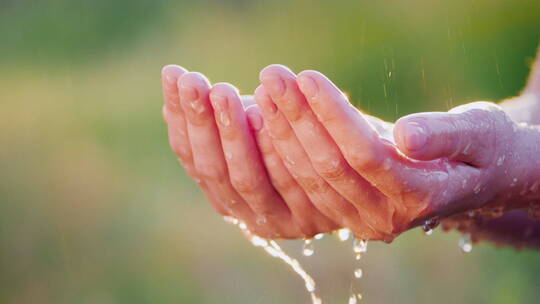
(303, 160)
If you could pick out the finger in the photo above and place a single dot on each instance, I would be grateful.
(325, 156)
(206, 146)
(412, 185)
(174, 116)
(363, 148)
(326, 199)
(467, 134)
(305, 214)
(246, 172)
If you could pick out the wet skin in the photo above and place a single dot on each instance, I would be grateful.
(299, 159)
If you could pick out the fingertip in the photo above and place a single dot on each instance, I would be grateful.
(273, 78)
(411, 136)
(222, 94)
(194, 80)
(272, 70)
(224, 89)
(172, 72)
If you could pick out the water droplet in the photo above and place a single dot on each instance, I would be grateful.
(308, 248)
(319, 236)
(230, 220)
(343, 234)
(466, 149)
(353, 299)
(535, 186)
(514, 181)
(228, 155)
(289, 160)
(500, 161)
(261, 220)
(465, 243)
(430, 224)
(358, 273)
(224, 118)
(242, 226)
(197, 107)
(359, 246)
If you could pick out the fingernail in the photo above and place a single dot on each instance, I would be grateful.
(308, 86)
(416, 136)
(275, 85)
(255, 121)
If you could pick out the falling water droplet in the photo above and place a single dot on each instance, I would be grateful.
(359, 248)
(343, 234)
(465, 243)
(353, 299)
(308, 249)
(428, 232)
(358, 273)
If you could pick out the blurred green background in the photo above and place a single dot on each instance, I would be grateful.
(94, 207)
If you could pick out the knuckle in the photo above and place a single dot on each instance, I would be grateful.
(284, 184)
(330, 168)
(211, 172)
(244, 184)
(313, 184)
(280, 131)
(181, 151)
(364, 161)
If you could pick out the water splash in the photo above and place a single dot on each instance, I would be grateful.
(273, 249)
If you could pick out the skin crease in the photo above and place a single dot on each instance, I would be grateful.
(306, 161)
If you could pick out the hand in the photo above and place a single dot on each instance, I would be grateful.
(360, 179)
(209, 133)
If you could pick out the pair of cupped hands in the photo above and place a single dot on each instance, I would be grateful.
(297, 158)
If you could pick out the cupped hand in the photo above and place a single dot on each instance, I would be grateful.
(209, 133)
(441, 163)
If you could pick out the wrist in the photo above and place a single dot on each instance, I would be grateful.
(518, 177)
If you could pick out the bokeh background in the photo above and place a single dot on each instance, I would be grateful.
(94, 207)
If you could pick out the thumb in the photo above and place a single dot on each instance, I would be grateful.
(467, 133)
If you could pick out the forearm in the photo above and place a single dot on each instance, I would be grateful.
(520, 227)
(514, 228)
